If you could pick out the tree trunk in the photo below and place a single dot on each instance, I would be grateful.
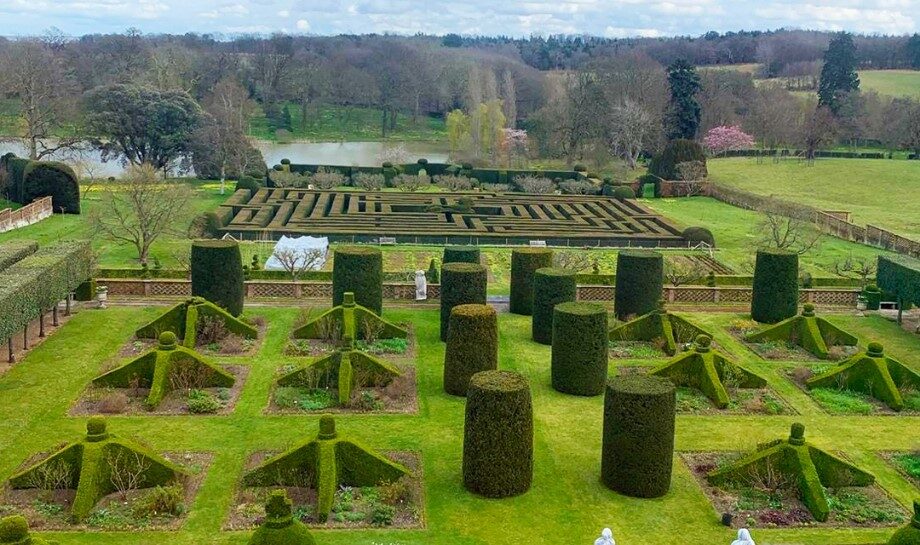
(25, 337)
(67, 308)
(393, 116)
(383, 123)
(54, 316)
(41, 324)
(223, 178)
(9, 348)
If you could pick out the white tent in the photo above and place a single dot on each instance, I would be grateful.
(301, 248)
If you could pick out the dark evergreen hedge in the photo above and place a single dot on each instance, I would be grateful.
(551, 286)
(498, 435)
(623, 192)
(900, 276)
(217, 273)
(775, 294)
(250, 183)
(472, 346)
(640, 278)
(695, 235)
(579, 358)
(461, 284)
(664, 165)
(358, 269)
(28, 180)
(638, 440)
(524, 263)
(461, 254)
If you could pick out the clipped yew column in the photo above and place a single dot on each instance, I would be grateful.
(579, 357)
(461, 284)
(524, 263)
(472, 346)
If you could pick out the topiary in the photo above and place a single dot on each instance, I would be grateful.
(579, 356)
(285, 161)
(250, 183)
(461, 284)
(910, 534)
(638, 440)
(86, 291)
(498, 435)
(280, 526)
(580, 168)
(433, 275)
(775, 294)
(359, 270)
(422, 161)
(623, 192)
(524, 263)
(664, 165)
(639, 282)
(472, 346)
(695, 235)
(461, 254)
(551, 286)
(57, 180)
(15, 530)
(217, 273)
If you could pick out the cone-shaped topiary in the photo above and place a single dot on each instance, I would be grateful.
(638, 441)
(156, 369)
(185, 319)
(326, 462)
(353, 321)
(461, 254)
(280, 527)
(14, 530)
(811, 468)
(579, 356)
(498, 435)
(872, 373)
(358, 270)
(472, 346)
(639, 283)
(808, 331)
(524, 263)
(658, 325)
(776, 286)
(707, 370)
(91, 463)
(910, 534)
(551, 286)
(217, 273)
(461, 284)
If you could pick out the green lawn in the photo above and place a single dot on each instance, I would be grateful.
(567, 503)
(350, 124)
(891, 82)
(876, 191)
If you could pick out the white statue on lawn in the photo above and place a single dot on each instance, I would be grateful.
(606, 538)
(421, 286)
(744, 538)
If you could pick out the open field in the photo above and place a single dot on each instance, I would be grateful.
(891, 82)
(349, 123)
(566, 504)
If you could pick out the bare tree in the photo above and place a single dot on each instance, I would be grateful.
(127, 469)
(220, 143)
(629, 130)
(140, 208)
(861, 268)
(573, 261)
(818, 130)
(300, 260)
(682, 271)
(787, 232)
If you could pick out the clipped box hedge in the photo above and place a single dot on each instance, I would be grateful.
(524, 263)
(639, 282)
(359, 270)
(461, 254)
(472, 346)
(461, 284)
(217, 273)
(579, 355)
(15, 251)
(551, 286)
(900, 276)
(775, 294)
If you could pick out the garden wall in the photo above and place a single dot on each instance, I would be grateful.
(31, 213)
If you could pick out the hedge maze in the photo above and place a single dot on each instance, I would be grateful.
(457, 218)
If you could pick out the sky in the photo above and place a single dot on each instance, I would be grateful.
(611, 18)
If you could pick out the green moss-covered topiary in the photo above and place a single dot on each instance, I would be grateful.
(551, 286)
(186, 318)
(358, 270)
(461, 254)
(461, 284)
(280, 526)
(57, 180)
(16, 250)
(579, 358)
(695, 235)
(900, 276)
(910, 534)
(217, 273)
(811, 332)
(498, 435)
(472, 346)
(524, 263)
(353, 321)
(776, 286)
(638, 440)
(658, 326)
(342, 370)
(639, 283)
(14, 530)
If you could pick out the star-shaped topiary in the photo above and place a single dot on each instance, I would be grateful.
(352, 321)
(658, 324)
(185, 318)
(807, 330)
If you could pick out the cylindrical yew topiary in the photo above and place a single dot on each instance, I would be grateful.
(461, 284)
(639, 282)
(498, 435)
(461, 254)
(524, 263)
(217, 273)
(472, 346)
(359, 270)
(579, 359)
(551, 286)
(638, 440)
(776, 286)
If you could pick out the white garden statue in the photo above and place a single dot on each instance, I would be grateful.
(744, 538)
(606, 538)
(421, 286)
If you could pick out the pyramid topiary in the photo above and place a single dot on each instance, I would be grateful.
(354, 322)
(217, 273)
(808, 331)
(707, 369)
(91, 463)
(551, 286)
(325, 463)
(358, 270)
(809, 467)
(873, 373)
(472, 346)
(156, 369)
(910, 534)
(14, 530)
(658, 324)
(280, 527)
(184, 320)
(640, 279)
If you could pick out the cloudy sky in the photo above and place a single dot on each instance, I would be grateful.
(614, 18)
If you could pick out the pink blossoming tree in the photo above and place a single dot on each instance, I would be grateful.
(725, 138)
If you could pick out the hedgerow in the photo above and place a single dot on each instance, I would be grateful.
(472, 346)
(461, 284)
(524, 263)
(29, 180)
(15, 251)
(217, 273)
(579, 355)
(358, 270)
(551, 286)
(639, 282)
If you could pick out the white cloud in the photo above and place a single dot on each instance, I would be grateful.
(303, 25)
(284, 13)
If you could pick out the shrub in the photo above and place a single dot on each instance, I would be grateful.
(639, 283)
(201, 402)
(580, 168)
(113, 403)
(900, 276)
(358, 270)
(410, 183)
(217, 273)
(433, 275)
(579, 358)
(665, 164)
(577, 187)
(498, 435)
(454, 183)
(638, 439)
(775, 294)
(280, 526)
(524, 263)
(695, 235)
(162, 500)
(623, 192)
(43, 178)
(646, 179)
(472, 346)
(461, 254)
(461, 284)
(15, 529)
(86, 291)
(327, 179)
(534, 184)
(368, 181)
(551, 286)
